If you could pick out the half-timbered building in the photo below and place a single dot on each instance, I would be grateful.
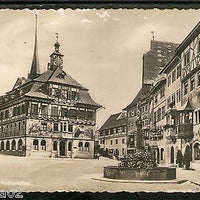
(48, 114)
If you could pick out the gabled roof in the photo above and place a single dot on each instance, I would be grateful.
(113, 121)
(143, 92)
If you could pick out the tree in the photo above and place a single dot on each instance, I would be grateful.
(187, 157)
(179, 158)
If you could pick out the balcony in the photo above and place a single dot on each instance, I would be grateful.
(185, 131)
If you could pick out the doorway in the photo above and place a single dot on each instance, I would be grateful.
(62, 148)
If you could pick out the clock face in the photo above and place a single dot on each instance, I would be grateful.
(57, 60)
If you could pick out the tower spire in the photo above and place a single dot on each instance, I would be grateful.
(35, 69)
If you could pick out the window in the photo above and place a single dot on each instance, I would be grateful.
(163, 112)
(6, 114)
(196, 117)
(54, 111)
(70, 128)
(80, 146)
(123, 141)
(159, 114)
(72, 113)
(64, 112)
(87, 146)
(43, 145)
(154, 117)
(169, 80)
(64, 126)
(81, 113)
(162, 154)
(111, 131)
(187, 58)
(162, 92)
(110, 142)
(55, 126)
(44, 110)
(185, 88)
(168, 101)
(116, 141)
(198, 76)
(178, 71)
(34, 109)
(173, 76)
(7, 145)
(55, 146)
(198, 48)
(20, 143)
(192, 84)
(89, 114)
(178, 96)
(13, 146)
(69, 146)
(44, 126)
(173, 98)
(156, 99)
(61, 127)
(198, 121)
(35, 145)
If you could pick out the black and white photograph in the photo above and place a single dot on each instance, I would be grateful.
(100, 100)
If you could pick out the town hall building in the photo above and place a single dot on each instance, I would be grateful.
(48, 114)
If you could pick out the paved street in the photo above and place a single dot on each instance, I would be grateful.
(43, 174)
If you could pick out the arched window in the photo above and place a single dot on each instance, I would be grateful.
(55, 146)
(162, 154)
(20, 144)
(7, 145)
(35, 145)
(43, 145)
(80, 146)
(2, 145)
(197, 151)
(13, 145)
(87, 146)
(69, 146)
(158, 155)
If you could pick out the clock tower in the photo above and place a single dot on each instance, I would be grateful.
(56, 58)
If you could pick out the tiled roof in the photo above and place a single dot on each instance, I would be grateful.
(85, 98)
(67, 79)
(113, 121)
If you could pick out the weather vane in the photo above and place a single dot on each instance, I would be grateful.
(35, 12)
(153, 36)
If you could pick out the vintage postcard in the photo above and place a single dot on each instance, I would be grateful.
(99, 100)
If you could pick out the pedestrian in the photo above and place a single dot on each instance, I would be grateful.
(98, 155)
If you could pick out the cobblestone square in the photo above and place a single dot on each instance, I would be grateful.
(60, 174)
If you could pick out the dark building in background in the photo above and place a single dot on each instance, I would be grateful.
(155, 59)
(153, 62)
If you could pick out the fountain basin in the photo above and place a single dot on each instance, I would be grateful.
(159, 173)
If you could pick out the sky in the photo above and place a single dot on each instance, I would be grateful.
(102, 48)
